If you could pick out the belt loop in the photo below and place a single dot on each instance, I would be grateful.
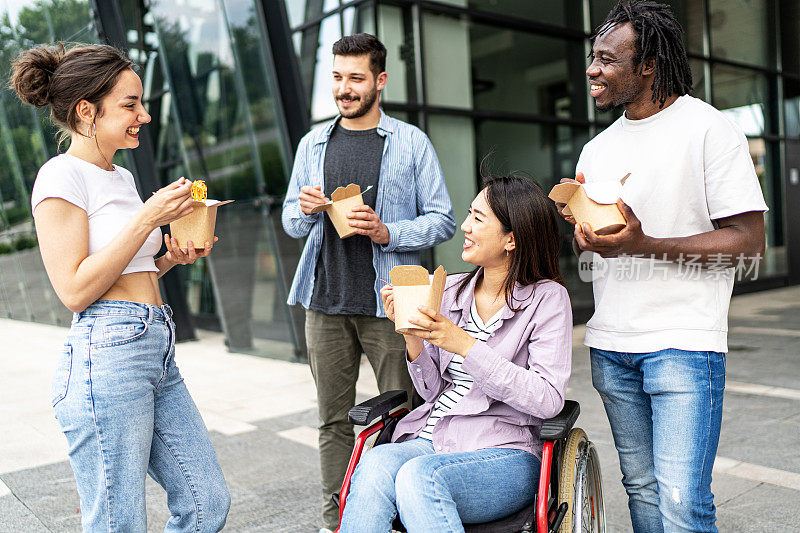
(150, 314)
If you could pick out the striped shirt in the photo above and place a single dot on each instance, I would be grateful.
(461, 380)
(412, 202)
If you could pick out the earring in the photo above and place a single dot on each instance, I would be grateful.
(91, 131)
(506, 253)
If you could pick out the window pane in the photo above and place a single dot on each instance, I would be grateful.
(447, 68)
(698, 78)
(248, 38)
(743, 96)
(491, 68)
(791, 106)
(690, 15)
(300, 11)
(359, 19)
(454, 140)
(514, 71)
(765, 155)
(316, 65)
(296, 11)
(740, 31)
(328, 5)
(322, 104)
(400, 115)
(27, 140)
(790, 29)
(545, 153)
(688, 12)
(392, 33)
(221, 124)
(555, 12)
(207, 94)
(600, 9)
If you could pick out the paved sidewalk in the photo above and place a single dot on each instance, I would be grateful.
(262, 415)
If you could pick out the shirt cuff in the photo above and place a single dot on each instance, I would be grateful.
(423, 368)
(480, 361)
(394, 238)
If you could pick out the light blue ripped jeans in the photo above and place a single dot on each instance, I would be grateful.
(665, 410)
(126, 412)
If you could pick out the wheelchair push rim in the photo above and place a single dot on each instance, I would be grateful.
(580, 486)
(589, 512)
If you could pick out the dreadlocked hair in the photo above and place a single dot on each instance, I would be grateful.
(658, 36)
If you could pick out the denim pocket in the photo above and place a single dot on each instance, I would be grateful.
(62, 375)
(117, 330)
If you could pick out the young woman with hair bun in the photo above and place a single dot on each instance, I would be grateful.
(117, 392)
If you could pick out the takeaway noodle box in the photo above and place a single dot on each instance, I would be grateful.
(413, 287)
(198, 226)
(595, 203)
(342, 200)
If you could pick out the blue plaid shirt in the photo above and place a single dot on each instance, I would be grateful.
(412, 202)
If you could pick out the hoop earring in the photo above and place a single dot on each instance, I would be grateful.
(91, 131)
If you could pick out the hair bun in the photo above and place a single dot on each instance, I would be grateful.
(32, 71)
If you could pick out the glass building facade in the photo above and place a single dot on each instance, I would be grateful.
(498, 85)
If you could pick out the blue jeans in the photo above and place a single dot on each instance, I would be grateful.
(665, 410)
(435, 492)
(125, 410)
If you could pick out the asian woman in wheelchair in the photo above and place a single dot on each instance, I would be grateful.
(491, 365)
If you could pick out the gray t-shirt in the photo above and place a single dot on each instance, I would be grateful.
(344, 281)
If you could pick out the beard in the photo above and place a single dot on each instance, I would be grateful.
(367, 102)
(604, 108)
(623, 95)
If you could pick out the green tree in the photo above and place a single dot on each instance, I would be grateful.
(55, 20)
(27, 138)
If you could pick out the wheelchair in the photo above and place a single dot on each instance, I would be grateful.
(570, 493)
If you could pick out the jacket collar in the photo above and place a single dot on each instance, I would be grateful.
(521, 297)
(386, 125)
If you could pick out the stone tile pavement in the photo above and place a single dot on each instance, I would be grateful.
(261, 414)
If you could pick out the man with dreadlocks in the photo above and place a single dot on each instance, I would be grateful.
(658, 335)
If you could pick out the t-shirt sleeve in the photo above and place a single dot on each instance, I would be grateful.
(732, 186)
(581, 165)
(58, 181)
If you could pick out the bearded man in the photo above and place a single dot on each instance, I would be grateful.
(338, 281)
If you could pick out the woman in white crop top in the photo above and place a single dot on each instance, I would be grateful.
(117, 392)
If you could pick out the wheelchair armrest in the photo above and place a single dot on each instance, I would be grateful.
(364, 413)
(558, 427)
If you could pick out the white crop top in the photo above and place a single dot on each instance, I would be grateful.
(109, 198)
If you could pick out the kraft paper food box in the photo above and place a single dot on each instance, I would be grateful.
(198, 226)
(595, 203)
(413, 286)
(342, 200)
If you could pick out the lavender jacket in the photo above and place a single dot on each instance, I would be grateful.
(520, 373)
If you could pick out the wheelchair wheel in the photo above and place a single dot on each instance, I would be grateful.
(580, 486)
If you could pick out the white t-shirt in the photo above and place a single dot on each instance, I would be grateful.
(462, 381)
(689, 165)
(109, 198)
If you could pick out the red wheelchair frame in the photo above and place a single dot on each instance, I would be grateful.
(562, 444)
